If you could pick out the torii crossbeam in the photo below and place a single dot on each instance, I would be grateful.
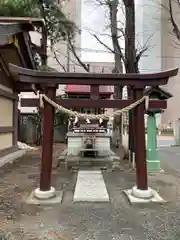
(48, 83)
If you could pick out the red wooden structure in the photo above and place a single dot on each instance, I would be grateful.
(87, 92)
(48, 83)
(86, 89)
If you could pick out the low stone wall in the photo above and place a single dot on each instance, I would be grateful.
(75, 143)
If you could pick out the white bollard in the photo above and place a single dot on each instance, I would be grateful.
(177, 132)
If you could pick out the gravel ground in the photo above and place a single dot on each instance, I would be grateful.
(88, 221)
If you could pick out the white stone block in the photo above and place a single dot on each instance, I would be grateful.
(10, 158)
(90, 187)
(74, 145)
(156, 198)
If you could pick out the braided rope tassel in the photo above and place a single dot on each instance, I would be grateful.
(41, 96)
(147, 102)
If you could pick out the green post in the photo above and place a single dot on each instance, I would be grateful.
(153, 162)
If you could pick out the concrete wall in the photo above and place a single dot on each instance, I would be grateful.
(171, 59)
(72, 9)
(155, 30)
(148, 32)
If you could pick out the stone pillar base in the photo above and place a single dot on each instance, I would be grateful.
(136, 195)
(44, 194)
(153, 165)
(145, 194)
(38, 197)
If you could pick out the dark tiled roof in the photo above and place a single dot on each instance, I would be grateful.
(159, 90)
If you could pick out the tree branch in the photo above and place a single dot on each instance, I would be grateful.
(105, 45)
(75, 63)
(176, 30)
(72, 48)
(140, 53)
(57, 60)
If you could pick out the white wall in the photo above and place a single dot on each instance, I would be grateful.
(148, 18)
(72, 9)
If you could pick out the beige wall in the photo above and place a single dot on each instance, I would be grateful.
(163, 53)
(6, 119)
(6, 140)
(72, 9)
(6, 109)
(95, 67)
(171, 59)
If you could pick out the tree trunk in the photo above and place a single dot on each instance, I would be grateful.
(130, 56)
(44, 47)
(130, 48)
(117, 123)
(44, 35)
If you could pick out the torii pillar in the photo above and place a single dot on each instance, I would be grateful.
(140, 143)
(141, 190)
(45, 190)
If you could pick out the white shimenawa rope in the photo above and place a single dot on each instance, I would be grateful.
(93, 116)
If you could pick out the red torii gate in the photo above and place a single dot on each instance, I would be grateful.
(48, 83)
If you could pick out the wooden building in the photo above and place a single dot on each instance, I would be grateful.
(15, 48)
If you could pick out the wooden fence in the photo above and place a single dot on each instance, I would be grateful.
(165, 129)
(28, 130)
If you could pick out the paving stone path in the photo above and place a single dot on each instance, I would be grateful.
(90, 187)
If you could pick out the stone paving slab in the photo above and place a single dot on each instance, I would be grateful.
(90, 187)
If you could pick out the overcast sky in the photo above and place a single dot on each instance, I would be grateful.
(93, 20)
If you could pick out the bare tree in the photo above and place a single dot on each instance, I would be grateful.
(112, 7)
(128, 57)
(131, 55)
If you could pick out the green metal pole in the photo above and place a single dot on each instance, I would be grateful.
(153, 162)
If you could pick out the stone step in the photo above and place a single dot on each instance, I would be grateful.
(98, 163)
